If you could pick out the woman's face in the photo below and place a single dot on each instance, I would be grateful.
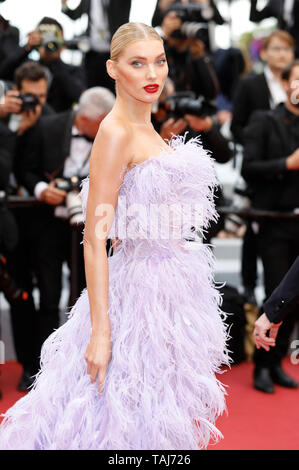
(141, 70)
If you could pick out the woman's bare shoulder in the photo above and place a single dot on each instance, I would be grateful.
(115, 127)
(113, 141)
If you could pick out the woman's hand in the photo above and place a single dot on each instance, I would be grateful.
(98, 355)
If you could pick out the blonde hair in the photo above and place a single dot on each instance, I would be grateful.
(128, 33)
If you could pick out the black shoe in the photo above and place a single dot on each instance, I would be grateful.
(281, 378)
(263, 381)
(249, 295)
(25, 382)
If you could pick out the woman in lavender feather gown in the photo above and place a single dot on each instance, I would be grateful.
(134, 365)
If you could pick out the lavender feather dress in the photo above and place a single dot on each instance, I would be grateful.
(167, 329)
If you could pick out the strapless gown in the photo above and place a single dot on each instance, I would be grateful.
(169, 336)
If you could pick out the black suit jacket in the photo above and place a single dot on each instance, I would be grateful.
(252, 94)
(9, 42)
(275, 8)
(47, 151)
(267, 143)
(118, 13)
(285, 298)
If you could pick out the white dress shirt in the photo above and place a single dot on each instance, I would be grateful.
(288, 16)
(74, 165)
(99, 28)
(277, 92)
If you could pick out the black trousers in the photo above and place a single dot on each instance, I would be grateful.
(278, 244)
(52, 248)
(249, 257)
(21, 268)
(95, 66)
(44, 244)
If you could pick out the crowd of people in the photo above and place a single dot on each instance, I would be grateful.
(49, 115)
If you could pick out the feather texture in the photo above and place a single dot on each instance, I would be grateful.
(167, 329)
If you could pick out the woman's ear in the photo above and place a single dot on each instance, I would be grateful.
(110, 66)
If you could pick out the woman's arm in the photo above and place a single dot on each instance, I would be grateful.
(109, 154)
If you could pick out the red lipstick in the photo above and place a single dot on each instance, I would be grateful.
(151, 88)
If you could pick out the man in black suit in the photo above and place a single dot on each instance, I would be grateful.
(257, 92)
(66, 82)
(104, 18)
(271, 164)
(283, 301)
(18, 126)
(286, 12)
(60, 149)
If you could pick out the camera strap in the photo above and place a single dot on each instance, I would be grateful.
(84, 162)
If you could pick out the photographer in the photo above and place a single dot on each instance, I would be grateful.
(190, 18)
(66, 82)
(271, 164)
(190, 67)
(60, 152)
(104, 18)
(21, 111)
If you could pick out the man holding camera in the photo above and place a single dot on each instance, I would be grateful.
(20, 114)
(194, 15)
(271, 164)
(59, 158)
(65, 82)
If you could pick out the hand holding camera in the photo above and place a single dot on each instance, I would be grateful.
(52, 195)
(292, 162)
(29, 119)
(171, 22)
(34, 40)
(12, 104)
(199, 124)
(197, 48)
(172, 126)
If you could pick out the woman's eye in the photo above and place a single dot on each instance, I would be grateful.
(161, 61)
(136, 63)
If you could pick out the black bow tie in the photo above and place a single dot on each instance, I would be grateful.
(82, 136)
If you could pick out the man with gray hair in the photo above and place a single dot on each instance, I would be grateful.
(52, 169)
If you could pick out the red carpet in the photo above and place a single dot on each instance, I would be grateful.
(255, 420)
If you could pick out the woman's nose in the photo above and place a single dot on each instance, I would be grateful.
(151, 72)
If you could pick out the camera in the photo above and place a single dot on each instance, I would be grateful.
(194, 21)
(181, 103)
(72, 201)
(51, 39)
(29, 102)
